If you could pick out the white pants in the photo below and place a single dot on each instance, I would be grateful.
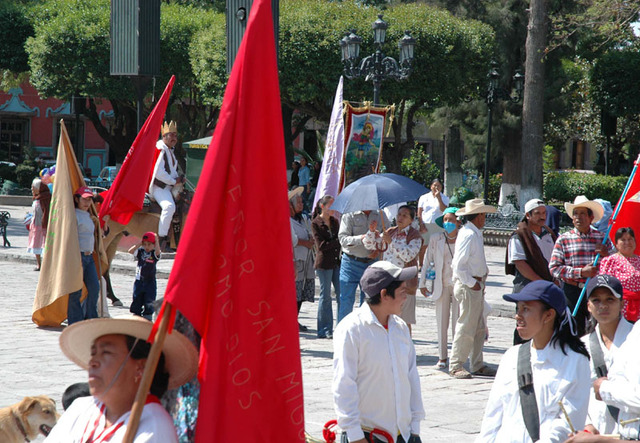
(446, 306)
(165, 200)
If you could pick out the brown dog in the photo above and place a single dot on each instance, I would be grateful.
(24, 420)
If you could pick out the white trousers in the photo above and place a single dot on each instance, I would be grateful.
(446, 307)
(165, 200)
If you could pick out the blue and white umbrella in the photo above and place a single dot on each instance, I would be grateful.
(377, 191)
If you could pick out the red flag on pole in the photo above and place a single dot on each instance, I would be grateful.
(233, 277)
(126, 195)
(629, 203)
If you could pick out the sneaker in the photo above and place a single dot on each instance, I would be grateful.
(460, 374)
(442, 364)
(485, 371)
(116, 302)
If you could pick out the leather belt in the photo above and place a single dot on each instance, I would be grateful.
(577, 284)
(86, 253)
(360, 259)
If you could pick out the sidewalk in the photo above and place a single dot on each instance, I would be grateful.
(31, 362)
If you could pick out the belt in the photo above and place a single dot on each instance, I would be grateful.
(86, 253)
(360, 259)
(577, 284)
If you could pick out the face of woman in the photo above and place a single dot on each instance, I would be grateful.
(298, 205)
(107, 354)
(403, 218)
(626, 245)
(604, 306)
(532, 318)
(326, 208)
(436, 186)
(84, 203)
(451, 218)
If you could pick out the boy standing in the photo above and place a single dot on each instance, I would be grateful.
(147, 253)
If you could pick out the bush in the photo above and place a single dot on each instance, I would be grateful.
(566, 186)
(7, 172)
(419, 167)
(493, 193)
(25, 173)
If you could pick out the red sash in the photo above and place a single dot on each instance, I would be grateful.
(107, 433)
(631, 305)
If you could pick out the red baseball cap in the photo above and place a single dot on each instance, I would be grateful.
(84, 192)
(149, 236)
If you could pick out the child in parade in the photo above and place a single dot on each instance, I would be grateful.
(528, 396)
(147, 253)
(604, 303)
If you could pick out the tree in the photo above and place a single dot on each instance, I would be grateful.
(15, 28)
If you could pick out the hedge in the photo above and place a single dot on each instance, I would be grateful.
(566, 186)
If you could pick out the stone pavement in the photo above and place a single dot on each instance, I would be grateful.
(31, 362)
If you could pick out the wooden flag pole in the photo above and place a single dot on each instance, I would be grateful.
(147, 376)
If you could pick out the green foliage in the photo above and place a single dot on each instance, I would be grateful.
(548, 158)
(15, 28)
(208, 54)
(419, 167)
(614, 82)
(565, 186)
(493, 193)
(25, 173)
(7, 172)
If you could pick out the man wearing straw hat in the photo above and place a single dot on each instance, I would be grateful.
(469, 274)
(574, 252)
(114, 353)
(165, 177)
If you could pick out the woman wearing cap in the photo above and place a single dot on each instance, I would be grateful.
(302, 250)
(558, 372)
(625, 266)
(604, 293)
(87, 226)
(440, 252)
(114, 352)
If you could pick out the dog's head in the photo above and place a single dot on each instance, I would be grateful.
(37, 414)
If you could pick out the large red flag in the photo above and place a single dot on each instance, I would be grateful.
(126, 195)
(628, 214)
(233, 277)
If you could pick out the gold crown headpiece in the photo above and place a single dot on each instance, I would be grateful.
(170, 127)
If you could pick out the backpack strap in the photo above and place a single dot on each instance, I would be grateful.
(600, 366)
(527, 394)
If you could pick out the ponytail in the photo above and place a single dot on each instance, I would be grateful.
(563, 335)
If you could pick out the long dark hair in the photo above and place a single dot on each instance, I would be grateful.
(141, 350)
(562, 335)
(323, 201)
(622, 231)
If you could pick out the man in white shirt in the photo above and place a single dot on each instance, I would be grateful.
(469, 275)
(165, 177)
(376, 387)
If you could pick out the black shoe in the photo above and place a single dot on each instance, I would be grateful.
(302, 328)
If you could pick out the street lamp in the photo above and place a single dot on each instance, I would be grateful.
(495, 93)
(376, 67)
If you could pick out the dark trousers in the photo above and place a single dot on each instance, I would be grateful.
(144, 294)
(572, 294)
(367, 436)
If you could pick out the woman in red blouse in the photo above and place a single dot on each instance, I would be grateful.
(625, 266)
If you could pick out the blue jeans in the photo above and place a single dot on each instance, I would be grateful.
(325, 311)
(144, 294)
(75, 313)
(350, 274)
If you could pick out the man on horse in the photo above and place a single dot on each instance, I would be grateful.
(165, 177)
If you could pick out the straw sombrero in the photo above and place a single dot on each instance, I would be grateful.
(296, 191)
(583, 202)
(475, 206)
(181, 357)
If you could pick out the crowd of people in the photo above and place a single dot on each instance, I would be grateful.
(564, 377)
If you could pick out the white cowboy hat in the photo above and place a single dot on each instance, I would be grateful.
(475, 206)
(583, 202)
(296, 191)
(180, 355)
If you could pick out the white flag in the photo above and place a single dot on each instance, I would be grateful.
(330, 174)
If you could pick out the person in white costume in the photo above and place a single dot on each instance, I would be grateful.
(165, 177)
(114, 353)
(558, 373)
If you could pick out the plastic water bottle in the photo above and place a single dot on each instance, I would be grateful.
(430, 277)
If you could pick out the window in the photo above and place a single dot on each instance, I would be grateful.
(70, 124)
(13, 137)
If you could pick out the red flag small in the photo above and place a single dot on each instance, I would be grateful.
(628, 214)
(233, 277)
(126, 195)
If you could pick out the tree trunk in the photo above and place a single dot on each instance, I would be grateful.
(533, 104)
(511, 156)
(392, 155)
(452, 160)
(122, 131)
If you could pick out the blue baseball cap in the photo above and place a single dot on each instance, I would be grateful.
(605, 281)
(541, 290)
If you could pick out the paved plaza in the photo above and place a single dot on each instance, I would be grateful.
(31, 362)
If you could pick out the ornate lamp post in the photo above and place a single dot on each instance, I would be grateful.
(376, 67)
(495, 93)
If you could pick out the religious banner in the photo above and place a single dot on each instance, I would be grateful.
(365, 128)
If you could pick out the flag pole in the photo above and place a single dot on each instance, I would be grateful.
(147, 376)
(606, 236)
